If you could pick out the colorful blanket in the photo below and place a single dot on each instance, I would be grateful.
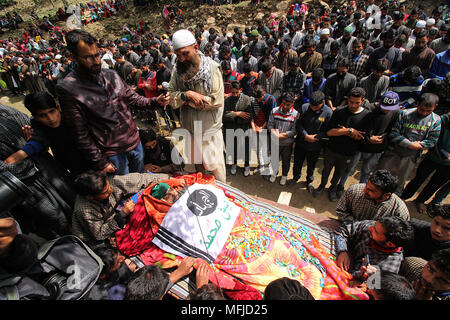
(264, 244)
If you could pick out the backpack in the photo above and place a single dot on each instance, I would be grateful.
(66, 269)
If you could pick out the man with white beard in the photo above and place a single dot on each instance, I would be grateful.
(196, 87)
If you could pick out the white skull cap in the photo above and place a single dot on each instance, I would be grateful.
(182, 38)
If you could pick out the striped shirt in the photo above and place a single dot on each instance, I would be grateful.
(284, 122)
(411, 127)
(261, 110)
(408, 93)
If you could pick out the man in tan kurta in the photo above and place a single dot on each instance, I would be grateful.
(196, 87)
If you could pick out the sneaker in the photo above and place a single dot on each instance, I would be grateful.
(265, 170)
(292, 181)
(246, 171)
(283, 180)
(258, 170)
(273, 178)
(233, 169)
(332, 196)
(339, 191)
(317, 192)
(310, 187)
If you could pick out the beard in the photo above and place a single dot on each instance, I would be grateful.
(93, 70)
(188, 69)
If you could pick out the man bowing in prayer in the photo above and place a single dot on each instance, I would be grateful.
(196, 87)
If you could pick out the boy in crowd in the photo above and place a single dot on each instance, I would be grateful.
(414, 131)
(430, 237)
(376, 83)
(339, 84)
(346, 129)
(434, 283)
(315, 83)
(49, 130)
(281, 125)
(237, 115)
(159, 153)
(260, 116)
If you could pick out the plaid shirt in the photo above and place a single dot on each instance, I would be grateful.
(354, 206)
(94, 221)
(294, 82)
(358, 65)
(355, 238)
(12, 140)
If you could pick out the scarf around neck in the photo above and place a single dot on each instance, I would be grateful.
(203, 75)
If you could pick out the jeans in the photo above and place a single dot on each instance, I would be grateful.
(311, 159)
(441, 194)
(424, 170)
(285, 155)
(398, 166)
(237, 153)
(262, 150)
(131, 161)
(370, 160)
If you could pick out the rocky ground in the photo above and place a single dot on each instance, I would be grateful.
(243, 14)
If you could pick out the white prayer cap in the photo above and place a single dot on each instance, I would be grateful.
(229, 35)
(421, 24)
(58, 56)
(431, 22)
(325, 31)
(182, 38)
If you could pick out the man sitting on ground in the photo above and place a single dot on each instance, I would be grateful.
(372, 200)
(95, 217)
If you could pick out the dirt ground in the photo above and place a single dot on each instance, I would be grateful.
(294, 195)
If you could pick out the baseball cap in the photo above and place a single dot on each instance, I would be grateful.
(389, 101)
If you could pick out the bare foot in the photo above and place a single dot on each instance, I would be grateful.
(421, 207)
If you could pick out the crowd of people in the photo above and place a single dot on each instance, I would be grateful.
(366, 82)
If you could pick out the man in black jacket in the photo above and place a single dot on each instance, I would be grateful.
(384, 113)
(346, 130)
(95, 105)
(311, 129)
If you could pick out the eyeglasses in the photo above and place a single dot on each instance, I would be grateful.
(92, 57)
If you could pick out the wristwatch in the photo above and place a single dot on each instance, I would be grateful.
(350, 130)
(183, 96)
